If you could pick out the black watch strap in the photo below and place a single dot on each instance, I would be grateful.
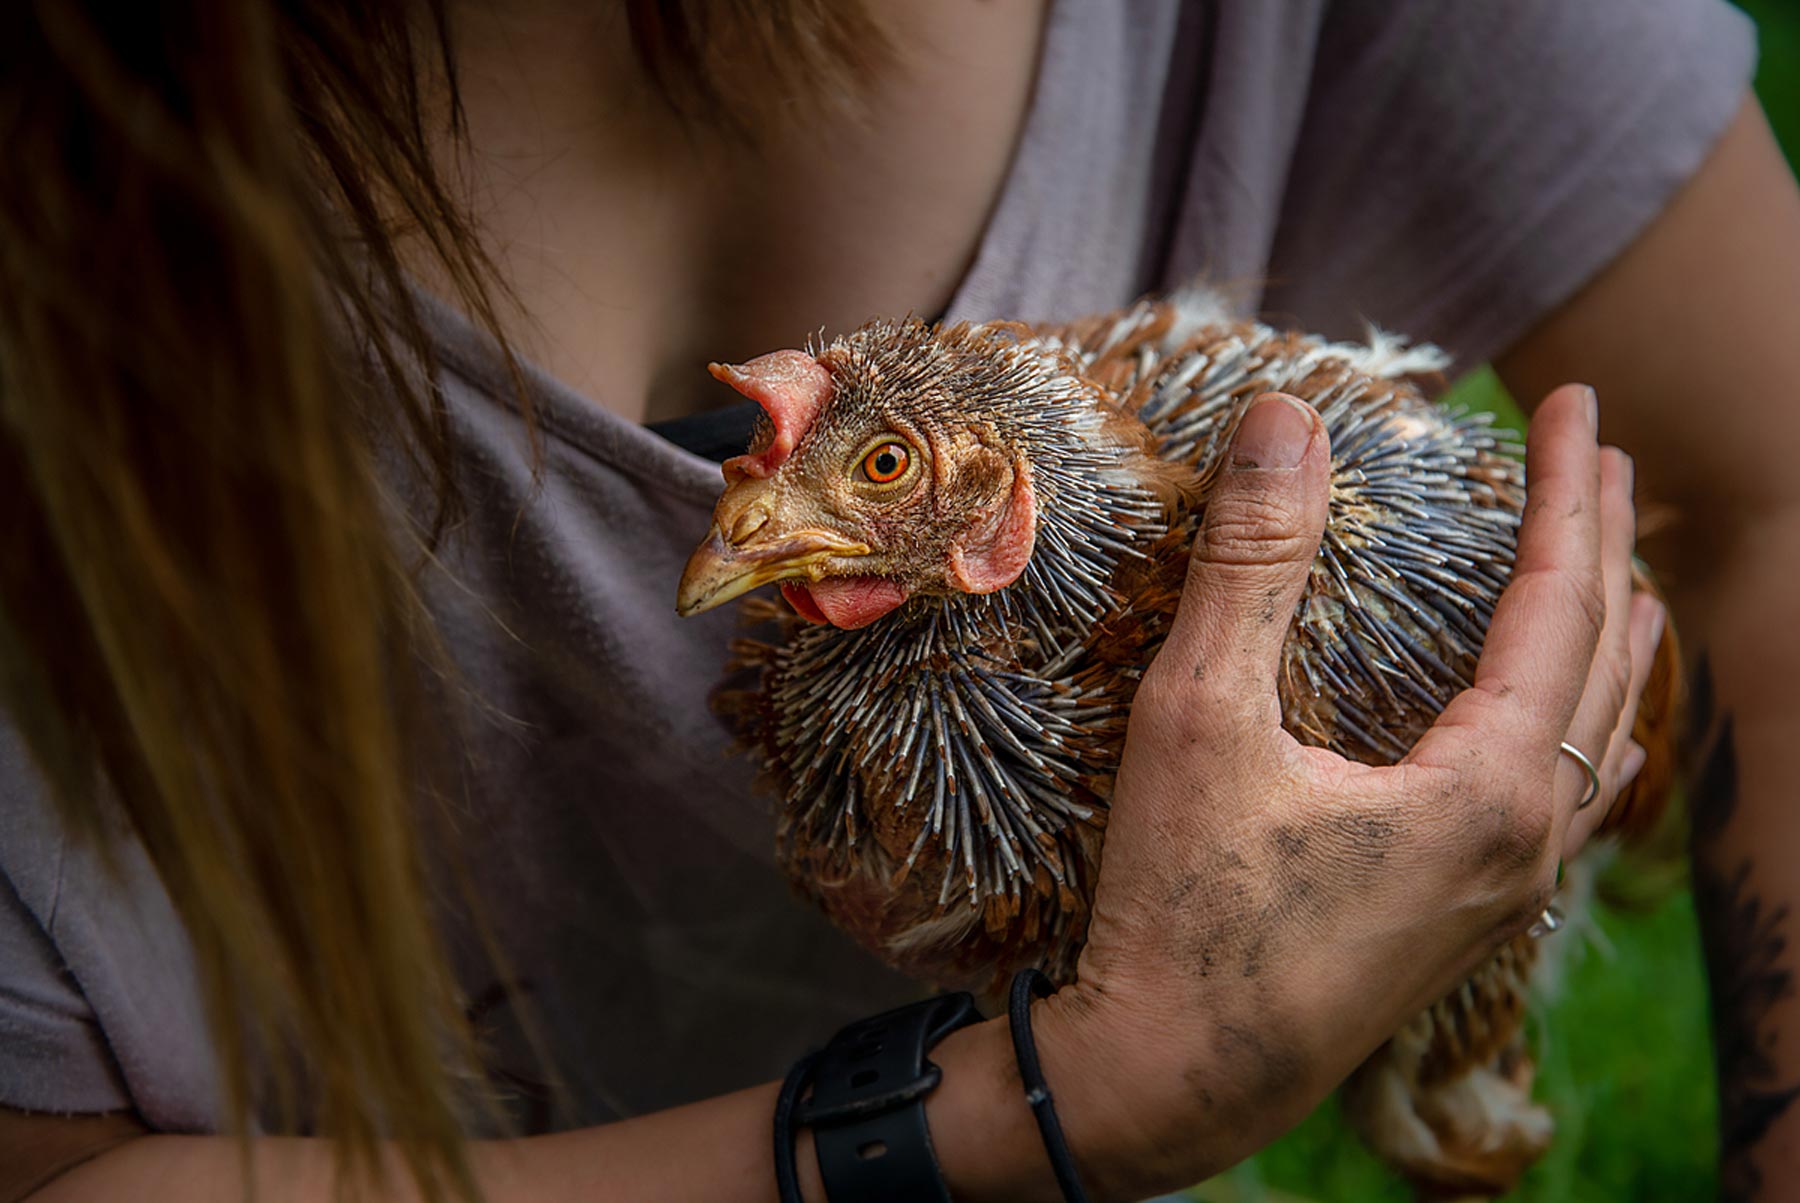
(867, 1110)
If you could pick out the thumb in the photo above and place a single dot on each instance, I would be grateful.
(1264, 519)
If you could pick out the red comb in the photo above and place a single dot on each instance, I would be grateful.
(791, 386)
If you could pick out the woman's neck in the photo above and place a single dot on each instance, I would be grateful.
(639, 245)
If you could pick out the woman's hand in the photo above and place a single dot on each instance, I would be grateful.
(1268, 913)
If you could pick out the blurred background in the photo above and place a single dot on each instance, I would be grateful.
(1631, 1084)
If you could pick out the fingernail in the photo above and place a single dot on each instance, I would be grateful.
(1632, 764)
(1658, 621)
(1274, 434)
(1592, 401)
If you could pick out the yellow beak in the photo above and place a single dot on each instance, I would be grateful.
(719, 571)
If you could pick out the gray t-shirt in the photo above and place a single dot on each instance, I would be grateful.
(1450, 170)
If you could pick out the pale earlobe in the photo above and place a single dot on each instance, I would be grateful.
(996, 545)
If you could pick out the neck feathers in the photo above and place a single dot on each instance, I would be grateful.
(1103, 496)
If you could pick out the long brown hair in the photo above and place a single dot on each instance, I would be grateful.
(207, 634)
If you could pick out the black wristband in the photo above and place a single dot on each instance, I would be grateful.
(867, 1107)
(787, 1177)
(1025, 984)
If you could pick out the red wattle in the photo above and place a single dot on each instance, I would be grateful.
(845, 601)
(802, 601)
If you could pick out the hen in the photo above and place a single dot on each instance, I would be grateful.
(985, 529)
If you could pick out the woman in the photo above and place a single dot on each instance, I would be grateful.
(208, 597)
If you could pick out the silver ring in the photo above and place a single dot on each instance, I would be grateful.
(1593, 775)
(1548, 923)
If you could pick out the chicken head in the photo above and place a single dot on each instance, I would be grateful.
(891, 464)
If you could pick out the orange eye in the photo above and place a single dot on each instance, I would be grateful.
(886, 463)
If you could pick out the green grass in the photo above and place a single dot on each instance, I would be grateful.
(1778, 71)
(1481, 389)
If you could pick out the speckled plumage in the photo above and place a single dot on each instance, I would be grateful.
(944, 772)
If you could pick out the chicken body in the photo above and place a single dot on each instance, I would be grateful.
(944, 712)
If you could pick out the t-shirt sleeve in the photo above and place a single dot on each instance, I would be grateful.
(1462, 169)
(52, 1054)
(99, 1003)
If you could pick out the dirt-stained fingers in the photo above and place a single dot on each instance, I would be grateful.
(1264, 518)
(1499, 740)
(1547, 624)
(1607, 693)
(1624, 756)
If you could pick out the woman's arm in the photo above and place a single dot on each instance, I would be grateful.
(37, 1148)
(1693, 340)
